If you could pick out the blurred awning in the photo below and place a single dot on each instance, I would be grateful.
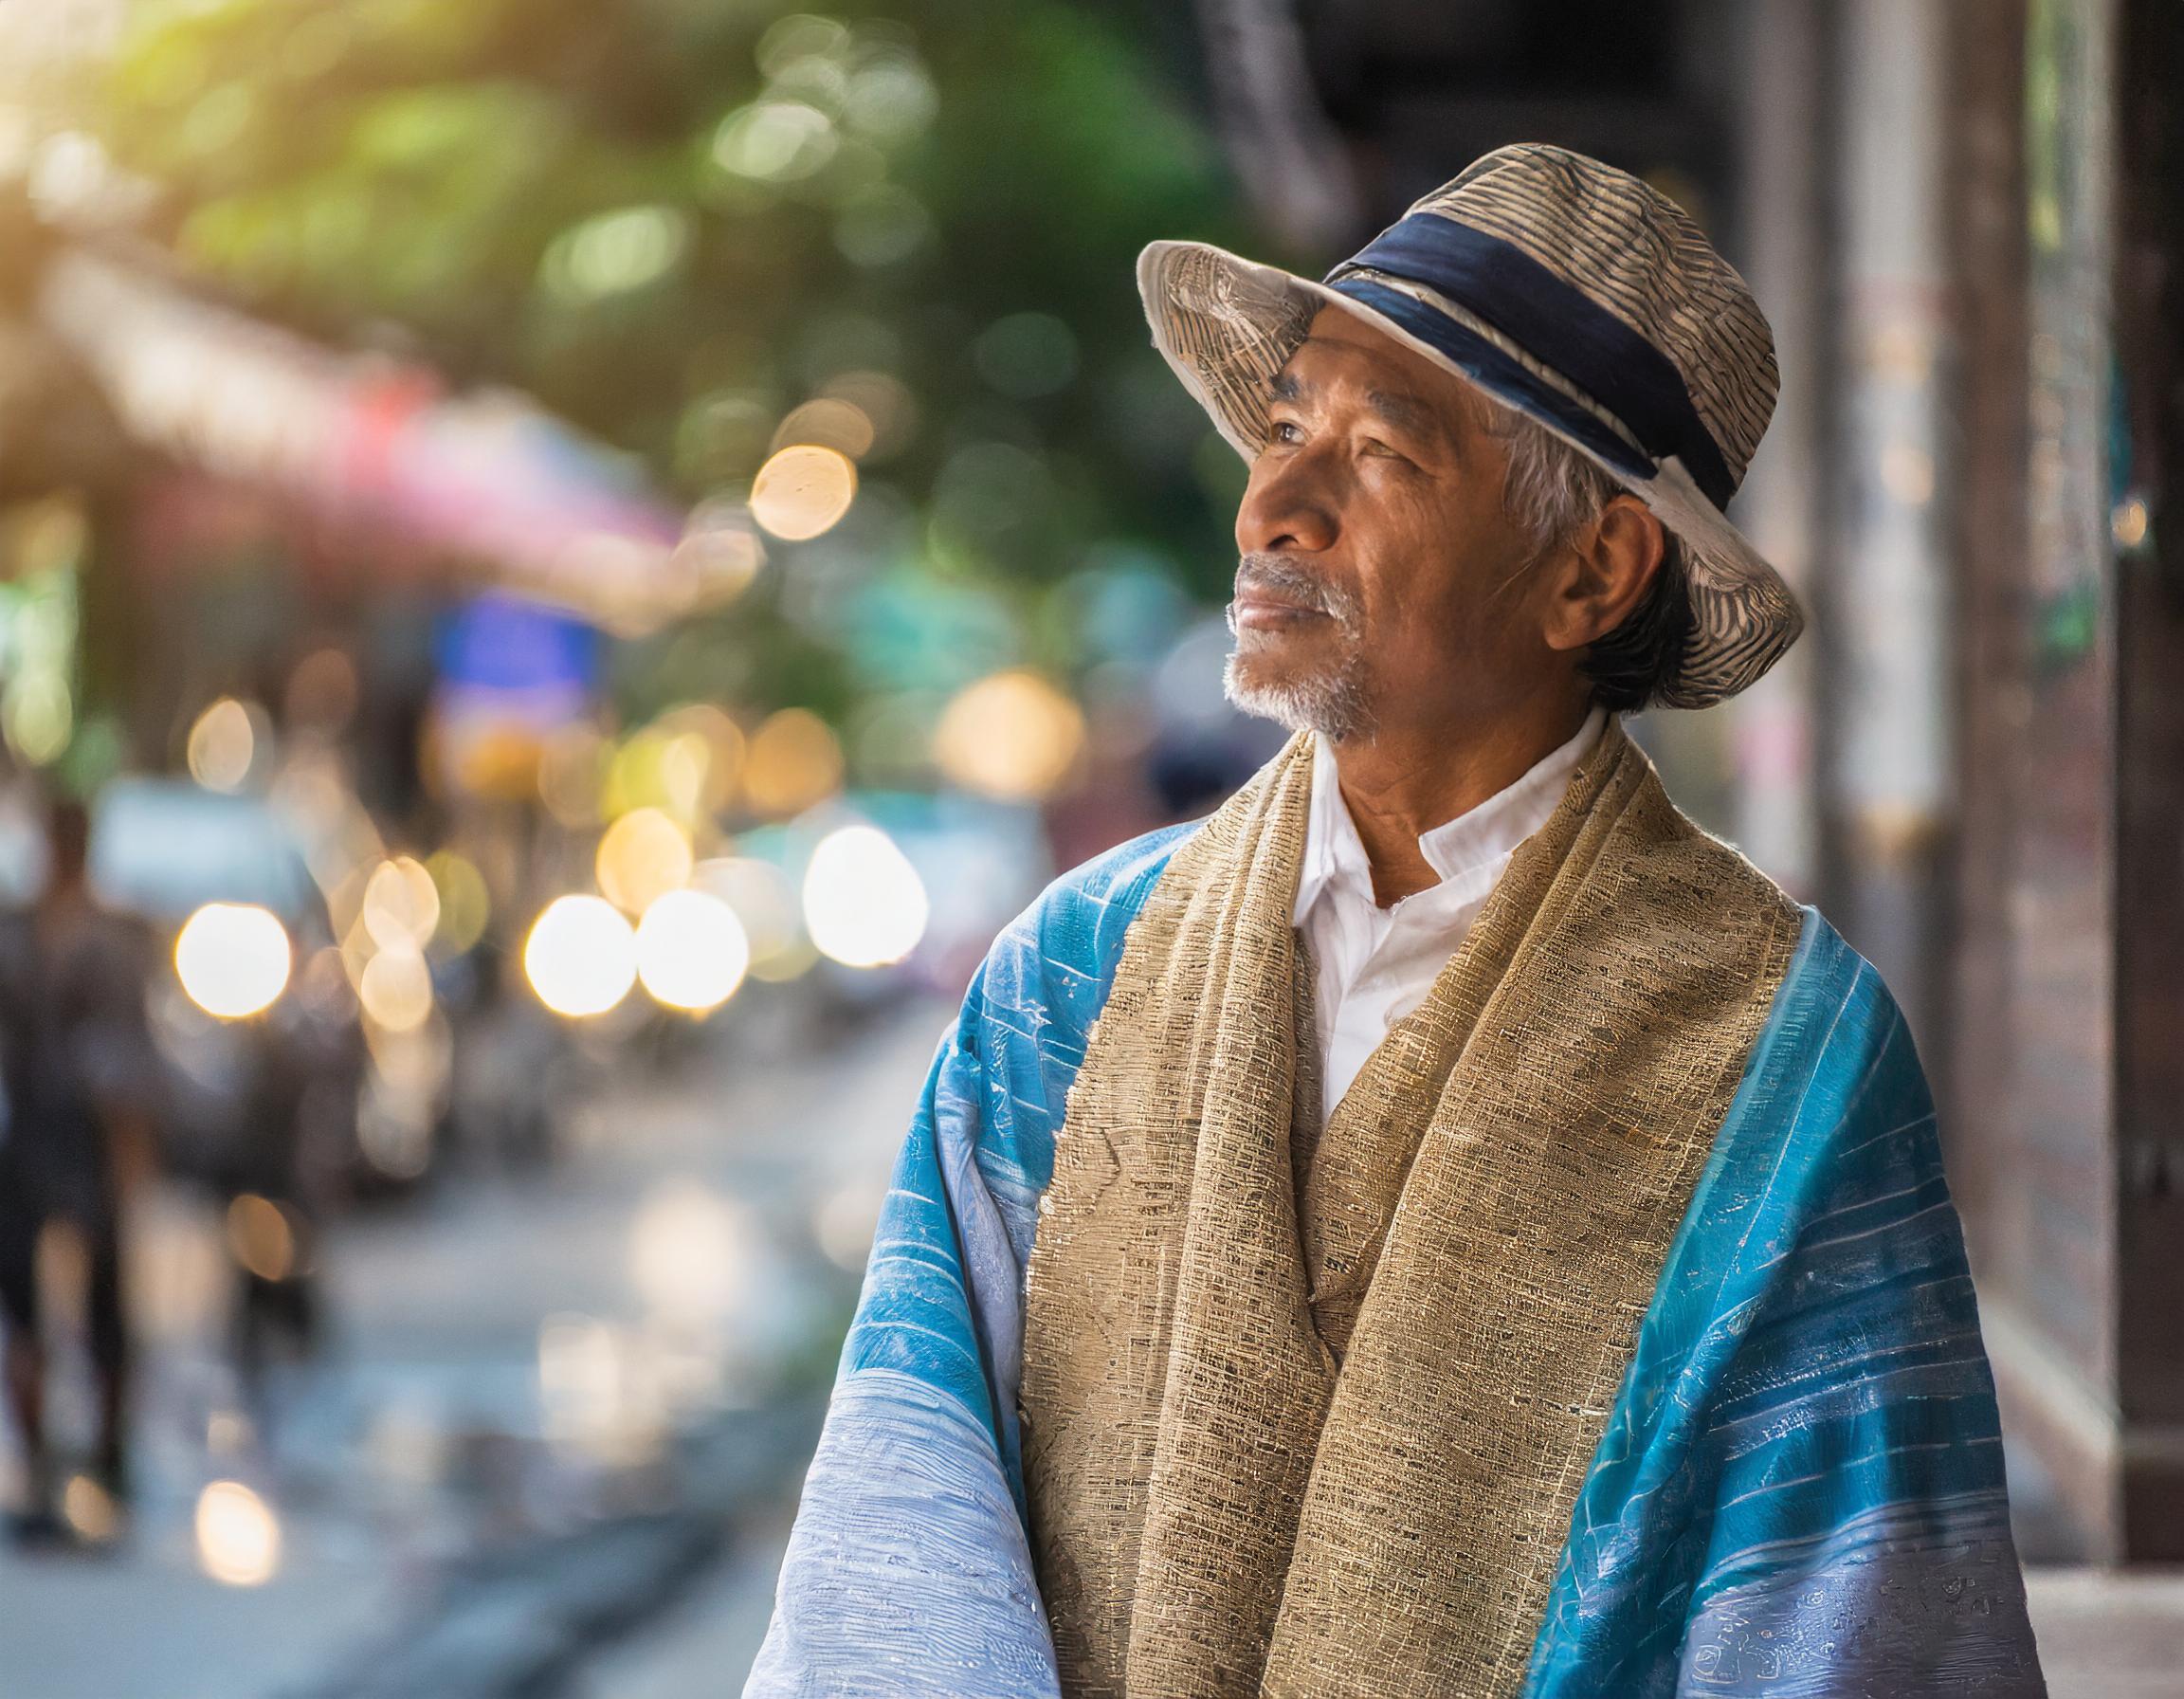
(486, 478)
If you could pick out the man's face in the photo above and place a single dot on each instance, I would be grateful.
(1379, 578)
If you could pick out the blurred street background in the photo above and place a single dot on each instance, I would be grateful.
(564, 569)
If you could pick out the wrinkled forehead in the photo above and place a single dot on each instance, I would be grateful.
(1342, 352)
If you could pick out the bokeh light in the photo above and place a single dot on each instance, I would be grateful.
(90, 1510)
(632, 778)
(830, 421)
(405, 1093)
(396, 988)
(38, 714)
(642, 856)
(67, 170)
(886, 403)
(580, 957)
(802, 490)
(691, 951)
(401, 903)
(719, 554)
(880, 226)
(774, 141)
(765, 903)
(596, 1395)
(324, 986)
(793, 760)
(795, 44)
(465, 905)
(864, 904)
(890, 98)
(260, 1238)
(224, 744)
(724, 749)
(233, 958)
(687, 762)
(615, 252)
(690, 1252)
(238, 1536)
(844, 1224)
(1012, 735)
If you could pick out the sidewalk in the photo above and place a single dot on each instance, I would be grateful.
(706, 1643)
(2103, 1634)
(2110, 1634)
(507, 1453)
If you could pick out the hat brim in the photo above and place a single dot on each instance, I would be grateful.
(1226, 324)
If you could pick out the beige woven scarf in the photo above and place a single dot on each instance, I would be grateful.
(1326, 1438)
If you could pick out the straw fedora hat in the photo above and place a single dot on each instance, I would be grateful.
(1570, 291)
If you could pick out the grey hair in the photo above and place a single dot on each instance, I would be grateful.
(1550, 491)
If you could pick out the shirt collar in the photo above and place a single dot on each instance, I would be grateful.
(1335, 854)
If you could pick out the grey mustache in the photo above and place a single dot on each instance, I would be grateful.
(1276, 577)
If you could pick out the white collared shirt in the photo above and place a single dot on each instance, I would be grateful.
(1375, 964)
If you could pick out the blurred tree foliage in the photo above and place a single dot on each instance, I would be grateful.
(674, 221)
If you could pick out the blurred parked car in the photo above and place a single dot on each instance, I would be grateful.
(267, 1106)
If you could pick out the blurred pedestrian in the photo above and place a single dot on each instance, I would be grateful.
(76, 1138)
(270, 1207)
(1445, 1224)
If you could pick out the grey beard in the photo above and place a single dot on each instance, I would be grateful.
(1332, 702)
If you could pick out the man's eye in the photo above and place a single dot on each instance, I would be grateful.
(1279, 425)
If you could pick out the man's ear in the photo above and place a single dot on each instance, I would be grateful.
(1612, 561)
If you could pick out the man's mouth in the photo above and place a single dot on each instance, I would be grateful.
(1274, 594)
(1256, 609)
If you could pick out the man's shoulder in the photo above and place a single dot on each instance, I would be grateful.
(1686, 855)
(1838, 992)
(1834, 1048)
(1836, 1064)
(1076, 924)
(1129, 868)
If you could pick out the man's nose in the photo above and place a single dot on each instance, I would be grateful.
(1286, 506)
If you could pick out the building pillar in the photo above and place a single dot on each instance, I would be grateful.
(1888, 791)
(2069, 1015)
(1785, 126)
(2146, 531)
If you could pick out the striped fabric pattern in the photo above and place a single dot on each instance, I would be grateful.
(908, 1572)
(1628, 261)
(1798, 1493)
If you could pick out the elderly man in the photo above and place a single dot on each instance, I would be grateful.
(1445, 1224)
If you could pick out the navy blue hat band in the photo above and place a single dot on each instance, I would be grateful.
(1554, 322)
(1479, 359)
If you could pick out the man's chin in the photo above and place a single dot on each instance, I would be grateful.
(1281, 657)
(1330, 701)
